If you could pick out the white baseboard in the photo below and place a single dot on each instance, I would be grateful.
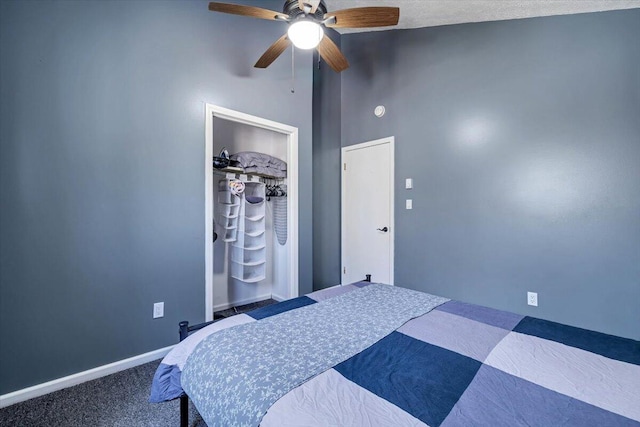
(80, 377)
(278, 297)
(241, 302)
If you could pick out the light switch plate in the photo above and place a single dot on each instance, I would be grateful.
(409, 204)
(408, 183)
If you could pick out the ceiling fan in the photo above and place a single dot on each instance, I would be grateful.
(306, 19)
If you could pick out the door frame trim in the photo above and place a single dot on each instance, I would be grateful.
(291, 133)
(387, 140)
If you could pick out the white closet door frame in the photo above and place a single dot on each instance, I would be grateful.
(291, 133)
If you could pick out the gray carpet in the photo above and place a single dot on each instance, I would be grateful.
(121, 399)
(118, 400)
(242, 309)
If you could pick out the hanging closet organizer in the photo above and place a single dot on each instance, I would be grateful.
(248, 250)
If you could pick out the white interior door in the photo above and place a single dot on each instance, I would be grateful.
(367, 211)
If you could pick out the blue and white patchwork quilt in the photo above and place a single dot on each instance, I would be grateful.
(387, 356)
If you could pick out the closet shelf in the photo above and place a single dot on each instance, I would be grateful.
(241, 255)
(239, 171)
(252, 242)
(250, 248)
(250, 263)
(249, 279)
(257, 217)
(229, 216)
(248, 273)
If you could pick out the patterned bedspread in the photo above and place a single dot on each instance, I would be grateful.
(457, 365)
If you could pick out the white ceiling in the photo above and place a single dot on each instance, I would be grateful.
(431, 13)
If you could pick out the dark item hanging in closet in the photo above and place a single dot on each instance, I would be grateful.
(279, 194)
(274, 191)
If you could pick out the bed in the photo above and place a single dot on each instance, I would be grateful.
(376, 355)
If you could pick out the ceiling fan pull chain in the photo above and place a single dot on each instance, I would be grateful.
(293, 70)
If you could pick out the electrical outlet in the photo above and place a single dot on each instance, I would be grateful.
(532, 298)
(158, 310)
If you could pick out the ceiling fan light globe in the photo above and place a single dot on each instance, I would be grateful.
(305, 34)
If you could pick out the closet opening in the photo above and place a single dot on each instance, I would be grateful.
(251, 210)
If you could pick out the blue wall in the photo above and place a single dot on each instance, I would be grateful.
(326, 173)
(523, 140)
(102, 170)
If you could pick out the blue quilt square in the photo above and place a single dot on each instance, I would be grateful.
(281, 307)
(422, 379)
(623, 349)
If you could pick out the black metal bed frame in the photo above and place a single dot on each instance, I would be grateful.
(184, 332)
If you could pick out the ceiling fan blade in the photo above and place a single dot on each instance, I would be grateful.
(364, 17)
(273, 52)
(309, 6)
(238, 9)
(314, 5)
(332, 55)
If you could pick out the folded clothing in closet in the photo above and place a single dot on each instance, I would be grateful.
(262, 163)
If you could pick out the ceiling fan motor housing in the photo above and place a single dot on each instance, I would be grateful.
(292, 9)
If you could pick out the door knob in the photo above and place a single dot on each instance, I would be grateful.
(384, 229)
